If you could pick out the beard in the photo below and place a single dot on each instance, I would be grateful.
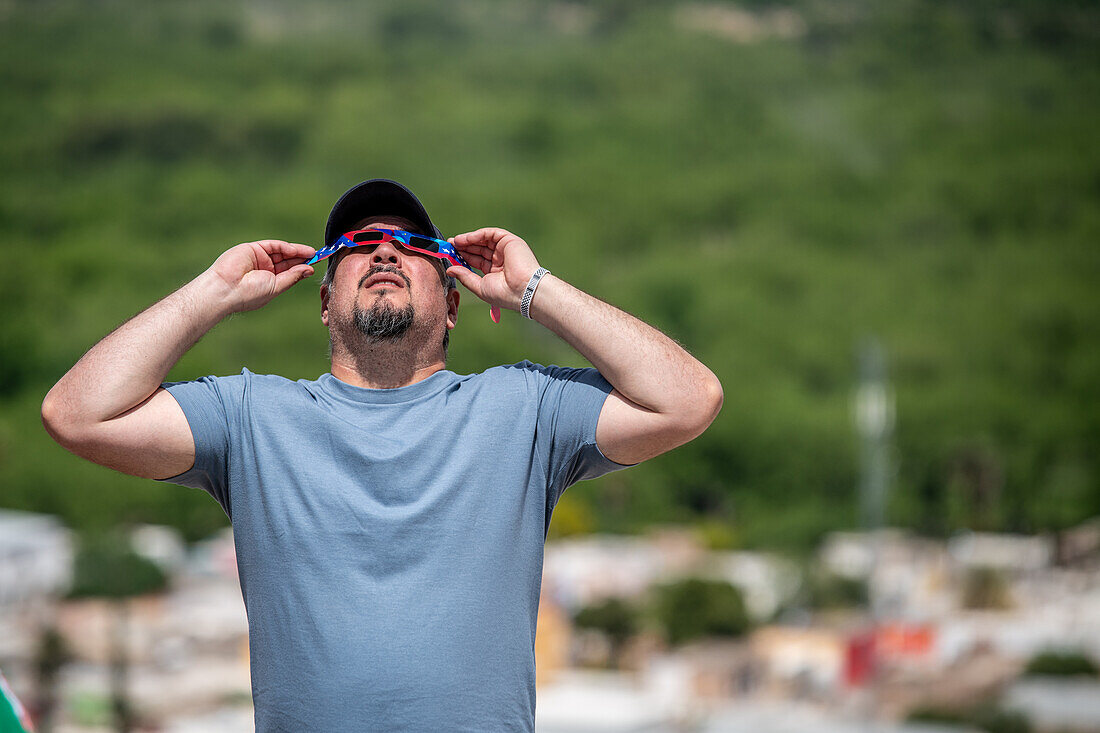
(383, 321)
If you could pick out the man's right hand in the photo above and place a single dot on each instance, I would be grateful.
(255, 272)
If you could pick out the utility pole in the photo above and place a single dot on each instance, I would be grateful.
(874, 408)
(874, 417)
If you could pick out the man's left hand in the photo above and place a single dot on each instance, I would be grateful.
(506, 261)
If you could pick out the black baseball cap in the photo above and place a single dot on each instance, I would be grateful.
(375, 197)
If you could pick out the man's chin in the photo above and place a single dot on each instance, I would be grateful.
(383, 321)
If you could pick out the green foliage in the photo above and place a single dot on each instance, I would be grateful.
(52, 652)
(924, 171)
(615, 617)
(572, 516)
(827, 591)
(716, 535)
(694, 608)
(90, 709)
(985, 717)
(1062, 664)
(106, 567)
(985, 588)
(172, 136)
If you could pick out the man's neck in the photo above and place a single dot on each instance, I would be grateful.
(383, 366)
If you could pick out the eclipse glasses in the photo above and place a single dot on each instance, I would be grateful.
(439, 248)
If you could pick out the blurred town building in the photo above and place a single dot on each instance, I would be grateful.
(928, 643)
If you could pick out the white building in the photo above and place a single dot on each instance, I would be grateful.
(36, 557)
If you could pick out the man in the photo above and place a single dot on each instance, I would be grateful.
(389, 517)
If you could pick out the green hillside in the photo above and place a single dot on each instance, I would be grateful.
(767, 184)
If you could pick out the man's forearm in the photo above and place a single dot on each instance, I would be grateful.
(645, 365)
(128, 365)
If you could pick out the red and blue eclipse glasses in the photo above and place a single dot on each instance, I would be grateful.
(438, 248)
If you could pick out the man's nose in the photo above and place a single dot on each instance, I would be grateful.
(387, 252)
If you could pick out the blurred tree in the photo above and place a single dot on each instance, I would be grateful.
(716, 534)
(985, 588)
(572, 515)
(107, 567)
(616, 618)
(976, 475)
(985, 717)
(1062, 664)
(695, 607)
(51, 654)
(828, 591)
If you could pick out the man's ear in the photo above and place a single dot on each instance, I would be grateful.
(324, 304)
(452, 308)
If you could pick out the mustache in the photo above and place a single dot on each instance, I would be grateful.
(385, 268)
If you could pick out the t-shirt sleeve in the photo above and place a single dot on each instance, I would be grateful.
(212, 406)
(570, 401)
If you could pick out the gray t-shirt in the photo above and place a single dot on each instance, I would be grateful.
(390, 541)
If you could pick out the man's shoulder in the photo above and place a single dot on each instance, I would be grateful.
(246, 381)
(503, 379)
(506, 369)
(526, 369)
(520, 371)
(541, 377)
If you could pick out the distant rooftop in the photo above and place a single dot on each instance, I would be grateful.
(20, 528)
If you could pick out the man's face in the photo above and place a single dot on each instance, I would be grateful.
(387, 293)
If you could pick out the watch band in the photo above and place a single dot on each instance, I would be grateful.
(529, 292)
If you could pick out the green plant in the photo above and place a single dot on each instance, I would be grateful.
(827, 591)
(986, 717)
(696, 607)
(617, 618)
(107, 567)
(985, 588)
(1059, 663)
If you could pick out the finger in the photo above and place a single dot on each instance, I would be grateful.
(277, 258)
(466, 237)
(476, 248)
(277, 247)
(471, 280)
(283, 265)
(470, 253)
(261, 258)
(485, 235)
(284, 280)
(482, 263)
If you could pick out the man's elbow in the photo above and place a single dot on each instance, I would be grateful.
(58, 423)
(712, 401)
(705, 405)
(52, 419)
(717, 395)
(80, 438)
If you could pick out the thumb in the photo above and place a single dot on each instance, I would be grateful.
(284, 280)
(467, 277)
